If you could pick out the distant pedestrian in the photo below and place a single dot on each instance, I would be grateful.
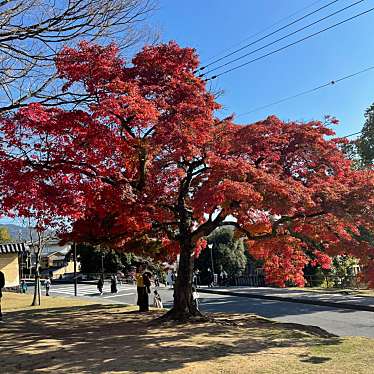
(157, 282)
(169, 278)
(113, 284)
(195, 298)
(194, 277)
(2, 285)
(225, 278)
(157, 302)
(100, 285)
(222, 277)
(163, 279)
(132, 275)
(120, 277)
(47, 286)
(210, 278)
(197, 277)
(23, 286)
(173, 278)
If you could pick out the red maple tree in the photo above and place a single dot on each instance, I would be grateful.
(147, 163)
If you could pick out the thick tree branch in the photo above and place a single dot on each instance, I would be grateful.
(276, 224)
(125, 123)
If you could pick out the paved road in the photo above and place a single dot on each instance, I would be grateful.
(341, 322)
(297, 294)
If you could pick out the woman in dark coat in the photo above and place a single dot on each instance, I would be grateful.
(100, 285)
(113, 284)
(143, 287)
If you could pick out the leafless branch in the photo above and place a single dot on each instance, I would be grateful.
(33, 31)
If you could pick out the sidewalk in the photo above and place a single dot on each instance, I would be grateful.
(334, 300)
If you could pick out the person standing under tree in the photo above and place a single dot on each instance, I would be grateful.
(143, 285)
(2, 285)
(195, 297)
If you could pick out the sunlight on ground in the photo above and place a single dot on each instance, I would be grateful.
(15, 301)
(74, 336)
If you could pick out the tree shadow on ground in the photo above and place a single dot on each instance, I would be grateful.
(346, 322)
(105, 338)
(315, 359)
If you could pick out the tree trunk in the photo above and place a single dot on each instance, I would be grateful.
(184, 307)
(37, 289)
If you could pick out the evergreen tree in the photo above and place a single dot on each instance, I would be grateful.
(228, 254)
(365, 143)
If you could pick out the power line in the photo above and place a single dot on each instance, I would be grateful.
(262, 31)
(330, 83)
(291, 44)
(268, 35)
(355, 133)
(282, 38)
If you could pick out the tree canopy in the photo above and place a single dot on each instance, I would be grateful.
(148, 161)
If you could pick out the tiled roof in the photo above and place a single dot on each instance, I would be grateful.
(13, 247)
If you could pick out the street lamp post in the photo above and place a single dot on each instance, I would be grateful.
(210, 246)
(102, 265)
(30, 263)
(21, 264)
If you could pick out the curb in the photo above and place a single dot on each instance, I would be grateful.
(365, 308)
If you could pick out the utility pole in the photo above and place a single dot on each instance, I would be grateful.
(102, 265)
(29, 256)
(75, 270)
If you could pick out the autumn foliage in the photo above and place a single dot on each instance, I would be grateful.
(146, 164)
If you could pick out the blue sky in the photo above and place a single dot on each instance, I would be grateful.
(211, 26)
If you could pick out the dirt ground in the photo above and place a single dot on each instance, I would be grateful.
(63, 337)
